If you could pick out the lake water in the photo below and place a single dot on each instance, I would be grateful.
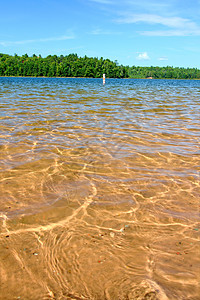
(99, 189)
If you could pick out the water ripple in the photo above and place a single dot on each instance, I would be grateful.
(99, 189)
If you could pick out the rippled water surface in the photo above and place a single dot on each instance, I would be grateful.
(99, 189)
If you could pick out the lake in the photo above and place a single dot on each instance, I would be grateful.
(99, 189)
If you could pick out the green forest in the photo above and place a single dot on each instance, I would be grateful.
(74, 66)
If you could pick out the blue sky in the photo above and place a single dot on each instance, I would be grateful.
(133, 32)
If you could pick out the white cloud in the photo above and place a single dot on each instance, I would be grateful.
(174, 32)
(50, 39)
(180, 26)
(143, 56)
(164, 58)
(175, 22)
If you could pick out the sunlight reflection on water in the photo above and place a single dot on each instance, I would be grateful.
(99, 177)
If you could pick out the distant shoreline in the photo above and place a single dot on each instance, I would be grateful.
(99, 78)
(74, 66)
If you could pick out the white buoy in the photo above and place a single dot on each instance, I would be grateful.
(104, 79)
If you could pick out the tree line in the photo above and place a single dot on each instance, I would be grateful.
(74, 66)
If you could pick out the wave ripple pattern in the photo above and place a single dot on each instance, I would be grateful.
(99, 189)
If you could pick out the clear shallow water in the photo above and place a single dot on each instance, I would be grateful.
(99, 189)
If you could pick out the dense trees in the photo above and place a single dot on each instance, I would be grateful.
(74, 66)
(164, 72)
(59, 66)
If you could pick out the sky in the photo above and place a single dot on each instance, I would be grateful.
(133, 32)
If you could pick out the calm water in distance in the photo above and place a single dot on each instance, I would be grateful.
(99, 189)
